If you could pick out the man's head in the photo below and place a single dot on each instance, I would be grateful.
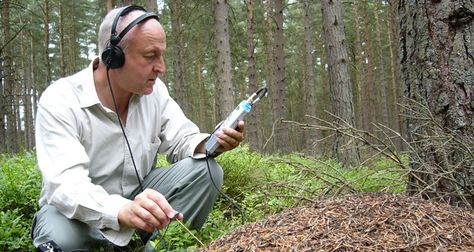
(112, 54)
(141, 40)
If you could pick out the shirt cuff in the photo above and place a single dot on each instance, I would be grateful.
(119, 238)
(193, 145)
(118, 235)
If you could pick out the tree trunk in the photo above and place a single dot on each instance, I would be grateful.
(46, 47)
(27, 112)
(179, 68)
(2, 106)
(310, 136)
(224, 91)
(437, 58)
(383, 110)
(9, 79)
(279, 94)
(270, 69)
(395, 87)
(369, 87)
(341, 89)
(108, 5)
(199, 64)
(252, 128)
(151, 5)
(359, 76)
(33, 70)
(61, 39)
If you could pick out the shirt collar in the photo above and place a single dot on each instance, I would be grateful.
(88, 96)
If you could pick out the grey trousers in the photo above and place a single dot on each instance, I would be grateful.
(186, 185)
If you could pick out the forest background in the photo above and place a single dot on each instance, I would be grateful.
(348, 81)
(46, 40)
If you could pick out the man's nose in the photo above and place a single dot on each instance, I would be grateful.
(159, 65)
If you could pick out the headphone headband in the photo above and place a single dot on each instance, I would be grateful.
(113, 56)
(114, 39)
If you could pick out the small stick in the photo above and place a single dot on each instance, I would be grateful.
(189, 231)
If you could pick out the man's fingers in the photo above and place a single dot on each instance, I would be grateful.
(162, 205)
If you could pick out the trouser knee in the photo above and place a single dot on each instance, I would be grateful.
(213, 170)
(50, 225)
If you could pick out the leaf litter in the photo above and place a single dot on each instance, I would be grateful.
(358, 222)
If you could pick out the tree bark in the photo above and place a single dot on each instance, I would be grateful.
(437, 58)
(311, 136)
(359, 76)
(395, 86)
(2, 96)
(9, 79)
(369, 99)
(383, 106)
(26, 97)
(252, 128)
(270, 69)
(279, 91)
(341, 89)
(224, 91)
(61, 39)
(46, 47)
(179, 68)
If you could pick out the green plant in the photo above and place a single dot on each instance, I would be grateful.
(261, 185)
(14, 231)
(20, 183)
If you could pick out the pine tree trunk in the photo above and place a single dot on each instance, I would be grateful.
(2, 106)
(179, 68)
(252, 122)
(437, 59)
(383, 107)
(359, 76)
(151, 5)
(9, 79)
(370, 107)
(311, 136)
(33, 71)
(270, 69)
(341, 89)
(279, 94)
(46, 47)
(224, 91)
(108, 5)
(204, 121)
(26, 97)
(395, 87)
(61, 39)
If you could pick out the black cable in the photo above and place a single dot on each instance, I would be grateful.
(123, 132)
(138, 177)
(228, 198)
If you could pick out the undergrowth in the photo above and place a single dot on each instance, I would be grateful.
(261, 185)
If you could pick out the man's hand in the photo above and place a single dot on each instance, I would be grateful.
(229, 139)
(149, 210)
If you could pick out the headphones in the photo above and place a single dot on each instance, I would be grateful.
(113, 55)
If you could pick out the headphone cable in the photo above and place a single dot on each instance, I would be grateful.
(123, 132)
(136, 170)
(227, 197)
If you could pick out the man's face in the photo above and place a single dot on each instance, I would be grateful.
(144, 60)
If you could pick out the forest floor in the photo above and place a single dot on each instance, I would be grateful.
(359, 222)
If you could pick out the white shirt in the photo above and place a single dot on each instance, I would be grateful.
(83, 157)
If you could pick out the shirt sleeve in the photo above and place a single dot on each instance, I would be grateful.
(63, 162)
(179, 135)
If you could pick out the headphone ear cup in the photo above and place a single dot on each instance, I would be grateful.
(113, 57)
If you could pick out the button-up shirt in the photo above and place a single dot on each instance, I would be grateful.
(85, 163)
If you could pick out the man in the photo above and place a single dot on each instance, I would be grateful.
(97, 135)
